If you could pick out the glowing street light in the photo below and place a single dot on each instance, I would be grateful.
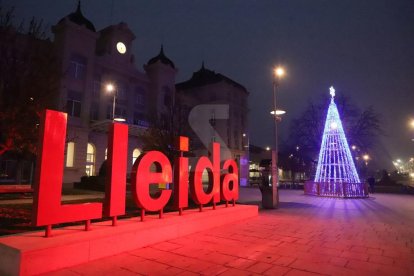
(279, 72)
(278, 112)
(267, 148)
(110, 88)
(412, 123)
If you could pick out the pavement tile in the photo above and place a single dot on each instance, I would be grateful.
(355, 255)
(296, 272)
(241, 263)
(219, 258)
(111, 264)
(63, 272)
(338, 261)
(359, 249)
(264, 257)
(166, 246)
(277, 270)
(146, 267)
(326, 251)
(360, 266)
(238, 272)
(148, 253)
(374, 251)
(284, 261)
(214, 270)
(259, 267)
(319, 267)
(188, 273)
(381, 260)
(337, 245)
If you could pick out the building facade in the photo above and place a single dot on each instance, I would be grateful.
(90, 60)
(213, 108)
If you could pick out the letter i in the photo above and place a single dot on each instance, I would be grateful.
(181, 176)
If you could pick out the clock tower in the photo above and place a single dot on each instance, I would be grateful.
(115, 41)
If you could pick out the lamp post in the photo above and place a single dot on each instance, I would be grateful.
(279, 72)
(111, 88)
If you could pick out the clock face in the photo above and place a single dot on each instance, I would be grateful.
(121, 47)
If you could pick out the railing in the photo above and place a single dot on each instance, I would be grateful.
(331, 189)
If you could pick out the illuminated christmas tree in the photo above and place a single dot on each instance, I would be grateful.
(336, 174)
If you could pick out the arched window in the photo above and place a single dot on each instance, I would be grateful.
(70, 154)
(135, 154)
(90, 159)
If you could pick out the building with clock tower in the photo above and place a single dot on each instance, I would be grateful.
(90, 60)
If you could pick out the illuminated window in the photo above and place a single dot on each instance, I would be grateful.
(90, 160)
(70, 154)
(135, 154)
(106, 153)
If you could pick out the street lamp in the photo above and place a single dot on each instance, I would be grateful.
(110, 88)
(278, 112)
(279, 72)
(366, 158)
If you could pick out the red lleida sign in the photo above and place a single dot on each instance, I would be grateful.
(48, 209)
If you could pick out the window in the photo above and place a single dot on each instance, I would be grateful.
(73, 103)
(139, 119)
(121, 93)
(96, 90)
(106, 153)
(213, 96)
(236, 140)
(139, 96)
(135, 154)
(94, 112)
(167, 96)
(90, 160)
(167, 100)
(70, 154)
(77, 66)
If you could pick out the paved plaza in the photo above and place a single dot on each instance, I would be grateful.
(305, 236)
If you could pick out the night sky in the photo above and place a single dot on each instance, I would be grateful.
(365, 49)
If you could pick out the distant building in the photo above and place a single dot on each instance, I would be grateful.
(219, 104)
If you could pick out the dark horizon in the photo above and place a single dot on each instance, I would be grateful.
(363, 49)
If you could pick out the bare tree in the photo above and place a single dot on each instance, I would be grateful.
(362, 127)
(28, 82)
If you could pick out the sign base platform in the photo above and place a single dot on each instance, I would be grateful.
(31, 253)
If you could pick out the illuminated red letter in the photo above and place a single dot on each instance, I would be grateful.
(213, 168)
(181, 176)
(115, 186)
(47, 205)
(142, 178)
(230, 181)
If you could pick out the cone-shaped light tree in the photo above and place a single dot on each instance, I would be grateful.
(336, 174)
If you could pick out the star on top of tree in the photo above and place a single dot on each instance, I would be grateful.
(332, 91)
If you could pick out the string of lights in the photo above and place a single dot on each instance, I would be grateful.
(335, 163)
